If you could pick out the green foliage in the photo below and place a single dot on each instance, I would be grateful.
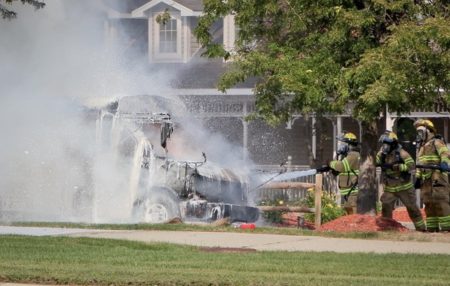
(330, 210)
(325, 56)
(7, 13)
(274, 216)
(164, 17)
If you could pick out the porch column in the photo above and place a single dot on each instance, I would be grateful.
(334, 135)
(149, 38)
(338, 132)
(389, 120)
(229, 34)
(314, 137)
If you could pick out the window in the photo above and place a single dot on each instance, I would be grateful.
(168, 37)
(167, 43)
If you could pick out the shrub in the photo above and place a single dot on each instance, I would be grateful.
(274, 216)
(330, 209)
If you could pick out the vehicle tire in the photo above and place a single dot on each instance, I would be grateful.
(158, 205)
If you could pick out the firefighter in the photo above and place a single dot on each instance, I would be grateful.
(347, 168)
(396, 167)
(432, 177)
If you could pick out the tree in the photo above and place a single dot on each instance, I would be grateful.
(7, 13)
(328, 56)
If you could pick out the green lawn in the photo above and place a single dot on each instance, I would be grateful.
(63, 260)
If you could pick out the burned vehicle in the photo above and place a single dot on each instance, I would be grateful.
(162, 187)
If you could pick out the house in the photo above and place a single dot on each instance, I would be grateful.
(173, 47)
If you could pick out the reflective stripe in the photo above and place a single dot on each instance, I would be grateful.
(430, 159)
(425, 175)
(378, 159)
(419, 223)
(444, 221)
(442, 150)
(399, 188)
(432, 222)
(346, 191)
(403, 168)
(346, 165)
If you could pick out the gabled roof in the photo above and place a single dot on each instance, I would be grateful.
(186, 7)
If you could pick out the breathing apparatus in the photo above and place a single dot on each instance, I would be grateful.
(347, 140)
(424, 127)
(389, 141)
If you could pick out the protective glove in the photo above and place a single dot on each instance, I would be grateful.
(323, 169)
(444, 166)
(418, 183)
(386, 166)
(396, 167)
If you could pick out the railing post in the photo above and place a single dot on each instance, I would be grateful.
(318, 200)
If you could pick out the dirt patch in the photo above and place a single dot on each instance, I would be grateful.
(227, 249)
(362, 223)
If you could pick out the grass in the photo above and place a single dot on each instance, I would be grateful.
(405, 236)
(82, 261)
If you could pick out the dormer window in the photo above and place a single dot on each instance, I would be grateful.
(167, 35)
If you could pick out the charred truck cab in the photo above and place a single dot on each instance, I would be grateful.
(167, 189)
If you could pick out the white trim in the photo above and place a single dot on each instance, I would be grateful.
(141, 11)
(314, 137)
(150, 39)
(186, 38)
(421, 115)
(229, 33)
(167, 57)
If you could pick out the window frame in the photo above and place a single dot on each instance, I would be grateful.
(158, 55)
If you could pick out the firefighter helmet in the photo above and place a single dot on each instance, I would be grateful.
(389, 137)
(348, 138)
(425, 123)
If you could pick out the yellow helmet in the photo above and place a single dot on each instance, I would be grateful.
(425, 123)
(389, 137)
(349, 138)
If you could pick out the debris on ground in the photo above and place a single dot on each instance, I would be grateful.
(362, 223)
(243, 225)
(295, 219)
(221, 222)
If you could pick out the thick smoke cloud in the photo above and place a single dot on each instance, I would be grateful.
(52, 62)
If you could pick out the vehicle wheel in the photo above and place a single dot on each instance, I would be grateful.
(158, 205)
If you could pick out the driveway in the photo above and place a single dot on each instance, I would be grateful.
(261, 242)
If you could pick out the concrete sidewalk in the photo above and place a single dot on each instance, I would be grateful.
(262, 242)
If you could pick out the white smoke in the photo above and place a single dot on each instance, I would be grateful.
(54, 61)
